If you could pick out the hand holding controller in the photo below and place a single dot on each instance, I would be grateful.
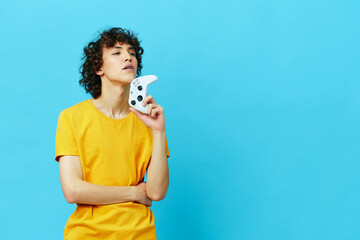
(138, 88)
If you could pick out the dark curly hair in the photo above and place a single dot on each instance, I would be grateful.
(93, 57)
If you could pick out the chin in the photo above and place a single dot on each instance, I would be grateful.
(127, 79)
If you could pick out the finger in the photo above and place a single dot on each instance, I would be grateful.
(136, 112)
(148, 99)
(150, 107)
(155, 111)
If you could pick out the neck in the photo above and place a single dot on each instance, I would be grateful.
(113, 101)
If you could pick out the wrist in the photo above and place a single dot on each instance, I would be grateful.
(134, 193)
(158, 132)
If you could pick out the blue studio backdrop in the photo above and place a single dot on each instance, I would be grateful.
(262, 107)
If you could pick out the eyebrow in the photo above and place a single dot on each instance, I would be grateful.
(129, 48)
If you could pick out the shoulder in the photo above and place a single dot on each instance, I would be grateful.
(76, 111)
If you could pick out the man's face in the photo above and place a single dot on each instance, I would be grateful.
(119, 63)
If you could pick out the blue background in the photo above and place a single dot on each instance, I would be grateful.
(262, 103)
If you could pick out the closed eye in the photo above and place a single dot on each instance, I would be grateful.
(118, 53)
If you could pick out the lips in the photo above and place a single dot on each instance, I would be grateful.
(128, 67)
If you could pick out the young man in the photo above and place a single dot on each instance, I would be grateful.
(104, 147)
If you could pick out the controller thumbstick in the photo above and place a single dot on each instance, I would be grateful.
(133, 102)
(139, 88)
(139, 98)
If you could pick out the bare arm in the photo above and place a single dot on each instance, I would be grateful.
(158, 170)
(78, 191)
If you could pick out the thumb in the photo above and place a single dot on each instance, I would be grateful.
(136, 112)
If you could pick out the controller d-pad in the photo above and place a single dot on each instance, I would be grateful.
(139, 98)
(133, 102)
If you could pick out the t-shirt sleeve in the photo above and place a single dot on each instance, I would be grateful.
(65, 143)
(167, 149)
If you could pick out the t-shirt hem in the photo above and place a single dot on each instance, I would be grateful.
(57, 156)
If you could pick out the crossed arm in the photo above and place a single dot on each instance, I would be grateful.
(76, 190)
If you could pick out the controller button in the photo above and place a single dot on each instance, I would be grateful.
(133, 102)
(139, 98)
(139, 88)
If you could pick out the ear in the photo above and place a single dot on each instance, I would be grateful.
(100, 72)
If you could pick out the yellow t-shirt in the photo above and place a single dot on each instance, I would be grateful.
(113, 152)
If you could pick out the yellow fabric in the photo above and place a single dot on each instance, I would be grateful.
(113, 152)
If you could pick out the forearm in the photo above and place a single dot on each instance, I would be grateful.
(158, 170)
(89, 193)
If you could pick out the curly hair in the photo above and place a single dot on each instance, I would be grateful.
(93, 57)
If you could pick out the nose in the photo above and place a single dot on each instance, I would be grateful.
(128, 57)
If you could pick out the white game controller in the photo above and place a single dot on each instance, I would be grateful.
(138, 88)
